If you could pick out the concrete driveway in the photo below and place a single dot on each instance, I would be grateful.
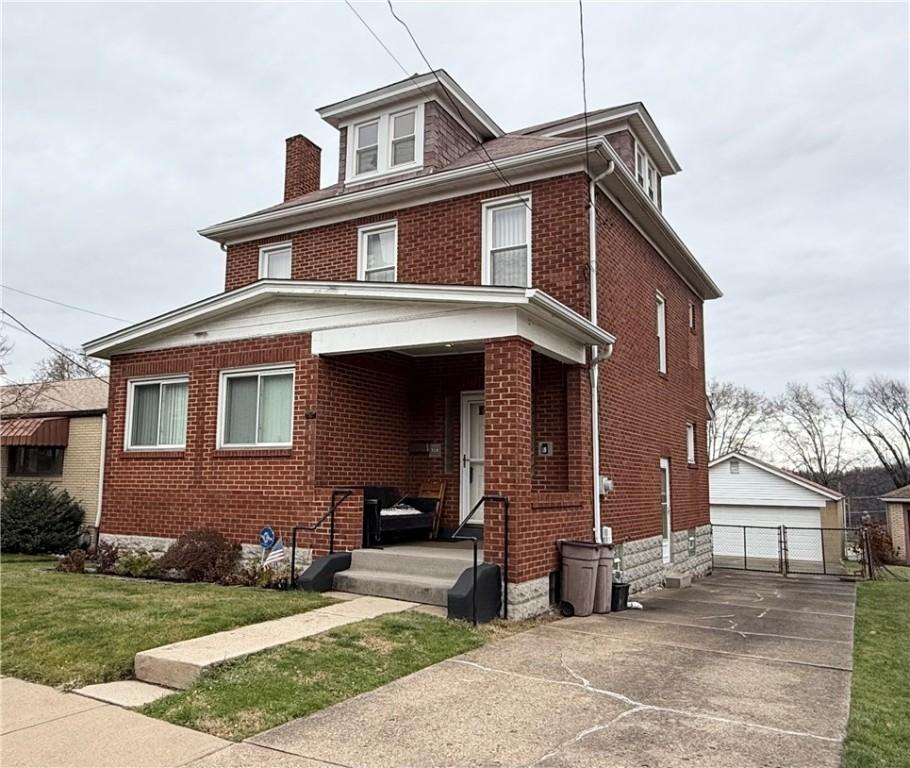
(738, 670)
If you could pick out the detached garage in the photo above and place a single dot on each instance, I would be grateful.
(751, 500)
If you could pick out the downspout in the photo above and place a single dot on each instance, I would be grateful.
(101, 477)
(595, 355)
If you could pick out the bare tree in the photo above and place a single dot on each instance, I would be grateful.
(739, 418)
(68, 364)
(880, 414)
(811, 433)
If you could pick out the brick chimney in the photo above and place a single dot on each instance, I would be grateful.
(301, 170)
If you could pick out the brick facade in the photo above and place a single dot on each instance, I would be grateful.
(302, 167)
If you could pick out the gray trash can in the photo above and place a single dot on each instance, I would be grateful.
(579, 576)
(604, 579)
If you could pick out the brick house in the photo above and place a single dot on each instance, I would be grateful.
(897, 510)
(54, 431)
(453, 309)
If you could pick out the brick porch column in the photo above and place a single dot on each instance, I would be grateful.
(507, 446)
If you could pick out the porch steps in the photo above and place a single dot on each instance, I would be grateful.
(422, 572)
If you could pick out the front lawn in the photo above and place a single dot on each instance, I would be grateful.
(878, 735)
(265, 690)
(70, 630)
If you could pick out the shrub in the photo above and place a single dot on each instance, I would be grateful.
(106, 555)
(203, 555)
(37, 518)
(74, 562)
(139, 564)
(254, 575)
(880, 543)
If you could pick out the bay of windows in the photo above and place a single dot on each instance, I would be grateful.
(386, 143)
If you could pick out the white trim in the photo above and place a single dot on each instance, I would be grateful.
(826, 493)
(277, 369)
(131, 384)
(666, 542)
(649, 165)
(266, 251)
(383, 120)
(535, 302)
(661, 322)
(369, 229)
(464, 505)
(101, 470)
(487, 208)
(690, 443)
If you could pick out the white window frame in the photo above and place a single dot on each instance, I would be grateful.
(691, 315)
(384, 165)
(130, 399)
(651, 186)
(661, 321)
(690, 443)
(392, 139)
(487, 208)
(362, 234)
(259, 370)
(666, 541)
(266, 251)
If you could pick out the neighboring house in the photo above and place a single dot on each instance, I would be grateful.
(422, 321)
(55, 431)
(747, 492)
(897, 504)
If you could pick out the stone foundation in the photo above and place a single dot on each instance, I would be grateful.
(641, 561)
(157, 546)
(529, 598)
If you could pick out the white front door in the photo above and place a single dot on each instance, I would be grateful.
(667, 534)
(471, 454)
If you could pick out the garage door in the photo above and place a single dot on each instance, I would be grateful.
(761, 542)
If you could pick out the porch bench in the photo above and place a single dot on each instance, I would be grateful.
(382, 520)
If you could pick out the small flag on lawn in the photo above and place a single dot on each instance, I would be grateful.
(276, 556)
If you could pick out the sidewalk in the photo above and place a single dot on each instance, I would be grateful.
(41, 727)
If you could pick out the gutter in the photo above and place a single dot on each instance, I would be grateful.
(101, 475)
(595, 355)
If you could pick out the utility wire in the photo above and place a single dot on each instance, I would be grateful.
(50, 346)
(491, 161)
(62, 304)
(584, 85)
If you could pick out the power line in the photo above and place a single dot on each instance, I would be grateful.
(584, 85)
(50, 346)
(377, 38)
(63, 304)
(491, 161)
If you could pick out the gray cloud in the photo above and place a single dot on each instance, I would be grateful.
(128, 127)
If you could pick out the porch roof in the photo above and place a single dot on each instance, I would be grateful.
(344, 317)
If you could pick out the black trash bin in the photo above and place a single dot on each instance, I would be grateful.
(619, 599)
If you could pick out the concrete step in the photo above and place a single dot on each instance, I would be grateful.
(414, 588)
(434, 562)
(125, 693)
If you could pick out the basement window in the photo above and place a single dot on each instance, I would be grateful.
(156, 413)
(256, 408)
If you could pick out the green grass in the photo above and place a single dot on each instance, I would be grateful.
(878, 735)
(69, 630)
(294, 680)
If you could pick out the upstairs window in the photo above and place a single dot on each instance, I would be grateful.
(646, 173)
(366, 156)
(661, 334)
(507, 241)
(692, 316)
(734, 466)
(156, 413)
(256, 408)
(275, 261)
(387, 143)
(377, 255)
(690, 443)
(404, 127)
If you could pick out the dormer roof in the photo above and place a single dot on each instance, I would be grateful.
(436, 85)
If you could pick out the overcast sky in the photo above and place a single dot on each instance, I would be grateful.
(128, 127)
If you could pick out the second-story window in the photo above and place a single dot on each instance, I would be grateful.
(366, 151)
(275, 261)
(661, 334)
(507, 241)
(377, 253)
(404, 126)
(690, 443)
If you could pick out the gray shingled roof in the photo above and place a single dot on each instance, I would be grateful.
(70, 396)
(898, 494)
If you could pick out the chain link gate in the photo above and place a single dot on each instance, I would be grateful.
(784, 549)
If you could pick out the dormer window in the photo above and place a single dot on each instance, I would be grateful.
(387, 143)
(646, 173)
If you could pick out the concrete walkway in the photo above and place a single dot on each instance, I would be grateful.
(738, 670)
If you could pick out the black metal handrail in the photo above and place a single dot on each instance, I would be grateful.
(338, 497)
(504, 500)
